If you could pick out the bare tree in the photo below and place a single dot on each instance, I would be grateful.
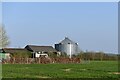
(4, 40)
(92, 55)
(101, 55)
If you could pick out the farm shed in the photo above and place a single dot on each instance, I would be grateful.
(38, 50)
(13, 51)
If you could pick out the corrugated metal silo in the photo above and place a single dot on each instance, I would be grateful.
(67, 46)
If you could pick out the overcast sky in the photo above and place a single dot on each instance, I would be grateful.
(93, 25)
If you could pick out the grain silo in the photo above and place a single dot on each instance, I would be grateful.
(68, 46)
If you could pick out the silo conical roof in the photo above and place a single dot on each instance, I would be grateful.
(67, 41)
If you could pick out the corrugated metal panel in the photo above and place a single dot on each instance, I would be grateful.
(2, 55)
(57, 47)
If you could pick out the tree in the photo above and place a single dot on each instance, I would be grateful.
(4, 40)
(101, 55)
(81, 55)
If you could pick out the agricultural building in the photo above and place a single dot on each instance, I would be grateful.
(40, 50)
(67, 46)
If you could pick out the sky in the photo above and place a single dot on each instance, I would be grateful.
(0, 12)
(93, 25)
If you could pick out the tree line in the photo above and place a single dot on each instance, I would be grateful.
(90, 55)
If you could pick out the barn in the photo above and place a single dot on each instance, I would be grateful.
(40, 50)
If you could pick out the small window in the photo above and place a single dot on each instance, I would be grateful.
(68, 43)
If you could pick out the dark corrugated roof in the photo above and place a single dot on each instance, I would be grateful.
(13, 50)
(40, 48)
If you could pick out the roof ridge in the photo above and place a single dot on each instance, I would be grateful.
(12, 48)
(39, 46)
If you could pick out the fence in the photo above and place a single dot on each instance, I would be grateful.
(41, 60)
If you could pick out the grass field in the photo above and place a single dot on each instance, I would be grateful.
(93, 69)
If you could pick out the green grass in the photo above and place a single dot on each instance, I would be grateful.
(93, 69)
